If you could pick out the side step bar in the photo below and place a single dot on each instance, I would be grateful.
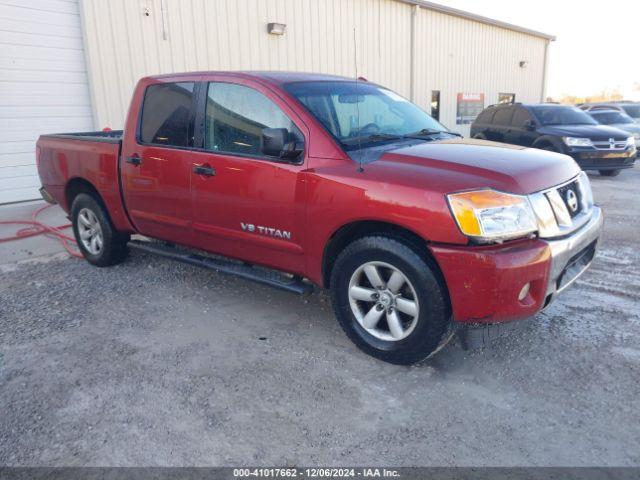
(272, 278)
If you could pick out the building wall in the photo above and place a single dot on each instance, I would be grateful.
(455, 55)
(128, 39)
(43, 86)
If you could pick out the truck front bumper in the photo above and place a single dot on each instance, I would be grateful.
(502, 283)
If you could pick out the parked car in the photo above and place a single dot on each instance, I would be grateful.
(417, 233)
(617, 119)
(630, 108)
(558, 128)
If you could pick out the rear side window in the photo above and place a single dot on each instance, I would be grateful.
(167, 114)
(235, 117)
(632, 110)
(503, 116)
(486, 116)
(520, 118)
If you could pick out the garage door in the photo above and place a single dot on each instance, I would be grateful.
(43, 86)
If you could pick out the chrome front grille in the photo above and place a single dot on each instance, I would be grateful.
(570, 194)
(610, 144)
(564, 208)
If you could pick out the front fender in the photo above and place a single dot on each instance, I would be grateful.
(545, 140)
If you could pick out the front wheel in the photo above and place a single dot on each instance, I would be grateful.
(609, 173)
(549, 148)
(390, 302)
(98, 241)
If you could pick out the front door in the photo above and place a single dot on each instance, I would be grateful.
(156, 168)
(248, 205)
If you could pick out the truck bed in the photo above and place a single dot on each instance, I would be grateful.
(110, 136)
(71, 160)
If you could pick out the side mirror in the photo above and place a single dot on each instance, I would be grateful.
(278, 142)
(529, 125)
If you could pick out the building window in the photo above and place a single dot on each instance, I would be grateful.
(506, 98)
(435, 104)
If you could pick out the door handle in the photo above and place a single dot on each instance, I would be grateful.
(205, 170)
(134, 160)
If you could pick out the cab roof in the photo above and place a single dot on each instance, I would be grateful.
(273, 77)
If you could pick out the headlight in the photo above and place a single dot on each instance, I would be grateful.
(490, 215)
(631, 142)
(577, 142)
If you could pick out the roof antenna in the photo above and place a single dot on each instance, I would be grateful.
(355, 58)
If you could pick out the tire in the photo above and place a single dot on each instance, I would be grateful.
(609, 173)
(419, 335)
(90, 221)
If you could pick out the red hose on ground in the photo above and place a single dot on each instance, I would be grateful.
(36, 227)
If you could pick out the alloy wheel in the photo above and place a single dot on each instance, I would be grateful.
(384, 301)
(90, 231)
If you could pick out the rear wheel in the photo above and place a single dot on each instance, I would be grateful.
(389, 300)
(98, 241)
(609, 173)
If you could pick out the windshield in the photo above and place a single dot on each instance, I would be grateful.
(562, 115)
(359, 114)
(632, 110)
(612, 118)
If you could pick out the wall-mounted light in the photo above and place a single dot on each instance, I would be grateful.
(276, 28)
(523, 64)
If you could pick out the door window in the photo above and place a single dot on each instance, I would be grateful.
(520, 118)
(503, 116)
(167, 114)
(486, 116)
(235, 116)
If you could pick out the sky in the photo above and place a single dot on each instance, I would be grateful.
(597, 46)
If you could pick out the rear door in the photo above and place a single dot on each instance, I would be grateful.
(500, 130)
(519, 134)
(156, 171)
(246, 204)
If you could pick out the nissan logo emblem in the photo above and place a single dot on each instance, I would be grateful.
(572, 200)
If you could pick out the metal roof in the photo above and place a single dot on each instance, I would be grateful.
(477, 18)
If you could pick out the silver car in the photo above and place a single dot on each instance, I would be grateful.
(630, 108)
(618, 119)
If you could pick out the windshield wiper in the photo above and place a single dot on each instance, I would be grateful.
(428, 132)
(554, 124)
(381, 136)
(374, 137)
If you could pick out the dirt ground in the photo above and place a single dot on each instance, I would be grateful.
(157, 363)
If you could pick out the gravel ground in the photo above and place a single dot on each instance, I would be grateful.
(157, 363)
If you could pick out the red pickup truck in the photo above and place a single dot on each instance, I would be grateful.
(300, 179)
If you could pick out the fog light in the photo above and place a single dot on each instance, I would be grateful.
(524, 292)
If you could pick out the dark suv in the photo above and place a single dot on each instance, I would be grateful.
(559, 128)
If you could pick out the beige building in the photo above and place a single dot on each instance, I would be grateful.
(69, 66)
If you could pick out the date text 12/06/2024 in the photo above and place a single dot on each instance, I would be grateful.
(315, 473)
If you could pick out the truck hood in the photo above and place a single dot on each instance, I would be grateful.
(461, 164)
(594, 132)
